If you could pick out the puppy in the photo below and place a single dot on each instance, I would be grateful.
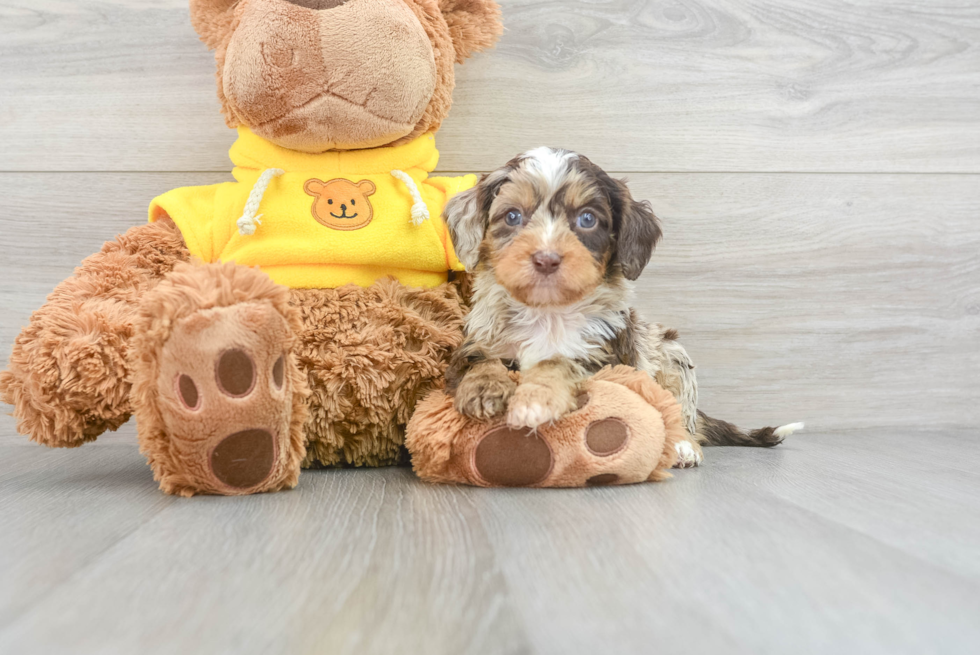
(553, 243)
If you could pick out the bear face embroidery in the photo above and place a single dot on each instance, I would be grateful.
(341, 204)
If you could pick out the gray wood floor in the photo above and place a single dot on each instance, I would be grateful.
(816, 165)
(832, 543)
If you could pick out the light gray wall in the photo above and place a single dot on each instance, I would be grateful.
(815, 165)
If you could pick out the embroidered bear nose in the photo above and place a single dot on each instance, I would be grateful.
(317, 4)
(546, 263)
(343, 208)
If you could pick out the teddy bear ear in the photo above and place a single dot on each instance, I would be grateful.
(366, 187)
(473, 24)
(212, 20)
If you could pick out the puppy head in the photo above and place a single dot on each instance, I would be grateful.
(552, 226)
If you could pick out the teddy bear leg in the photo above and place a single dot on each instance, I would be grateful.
(219, 399)
(370, 354)
(68, 377)
(611, 438)
(623, 429)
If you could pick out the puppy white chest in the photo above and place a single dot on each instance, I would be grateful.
(540, 334)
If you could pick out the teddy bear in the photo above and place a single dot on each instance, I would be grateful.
(291, 318)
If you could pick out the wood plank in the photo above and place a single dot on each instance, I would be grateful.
(61, 510)
(56, 220)
(712, 561)
(915, 492)
(350, 562)
(848, 301)
(697, 86)
(748, 554)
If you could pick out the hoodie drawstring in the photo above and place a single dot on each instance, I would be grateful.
(420, 211)
(250, 217)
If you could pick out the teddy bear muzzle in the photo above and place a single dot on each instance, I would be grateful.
(317, 74)
(318, 4)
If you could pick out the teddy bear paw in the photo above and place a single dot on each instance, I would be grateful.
(226, 400)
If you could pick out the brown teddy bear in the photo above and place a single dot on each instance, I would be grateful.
(249, 327)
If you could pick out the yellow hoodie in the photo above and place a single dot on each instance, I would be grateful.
(322, 221)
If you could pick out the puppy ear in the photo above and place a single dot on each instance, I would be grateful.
(637, 228)
(467, 223)
(473, 25)
(467, 214)
(212, 20)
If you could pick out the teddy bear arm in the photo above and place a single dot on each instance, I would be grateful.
(68, 377)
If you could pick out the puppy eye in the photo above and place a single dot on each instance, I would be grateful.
(586, 220)
(514, 217)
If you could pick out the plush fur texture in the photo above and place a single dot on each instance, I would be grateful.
(553, 243)
(326, 75)
(474, 25)
(646, 423)
(369, 355)
(69, 376)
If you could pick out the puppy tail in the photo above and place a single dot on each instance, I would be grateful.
(715, 432)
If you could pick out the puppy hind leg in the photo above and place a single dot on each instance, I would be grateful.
(677, 375)
(689, 454)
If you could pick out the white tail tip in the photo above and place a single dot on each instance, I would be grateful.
(788, 429)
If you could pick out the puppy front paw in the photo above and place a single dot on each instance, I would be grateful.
(535, 404)
(483, 396)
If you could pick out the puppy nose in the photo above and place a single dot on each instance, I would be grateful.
(546, 263)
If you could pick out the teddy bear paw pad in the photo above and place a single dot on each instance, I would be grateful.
(508, 457)
(244, 459)
(606, 437)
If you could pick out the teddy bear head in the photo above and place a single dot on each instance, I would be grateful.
(319, 75)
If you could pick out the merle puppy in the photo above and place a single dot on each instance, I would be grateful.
(553, 243)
